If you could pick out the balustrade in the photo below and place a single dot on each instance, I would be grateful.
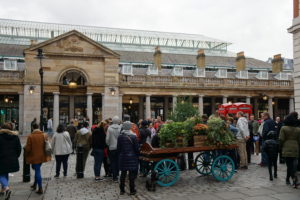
(203, 82)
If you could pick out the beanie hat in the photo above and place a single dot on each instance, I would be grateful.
(126, 125)
(115, 120)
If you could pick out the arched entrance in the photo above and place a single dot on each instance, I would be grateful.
(73, 100)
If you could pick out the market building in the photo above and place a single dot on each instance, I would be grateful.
(295, 30)
(96, 73)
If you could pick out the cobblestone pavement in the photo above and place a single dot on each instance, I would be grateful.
(251, 184)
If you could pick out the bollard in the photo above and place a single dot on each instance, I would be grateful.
(79, 162)
(26, 169)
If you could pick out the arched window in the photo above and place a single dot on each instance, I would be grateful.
(73, 78)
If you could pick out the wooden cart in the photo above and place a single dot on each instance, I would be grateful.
(210, 160)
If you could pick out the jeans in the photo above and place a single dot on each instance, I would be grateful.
(132, 177)
(98, 157)
(64, 160)
(114, 163)
(4, 180)
(291, 164)
(272, 162)
(37, 175)
(264, 156)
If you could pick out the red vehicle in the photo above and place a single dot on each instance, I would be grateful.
(233, 108)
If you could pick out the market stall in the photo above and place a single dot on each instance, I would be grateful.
(212, 141)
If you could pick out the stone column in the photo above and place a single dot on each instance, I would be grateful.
(291, 105)
(148, 106)
(120, 105)
(270, 107)
(256, 108)
(200, 105)
(248, 100)
(166, 107)
(55, 110)
(213, 105)
(71, 107)
(275, 107)
(21, 112)
(174, 102)
(90, 108)
(141, 107)
(225, 99)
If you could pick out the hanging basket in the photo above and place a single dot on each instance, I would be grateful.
(199, 140)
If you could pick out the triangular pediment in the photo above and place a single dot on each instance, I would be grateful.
(74, 43)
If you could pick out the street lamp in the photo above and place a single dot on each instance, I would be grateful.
(130, 101)
(40, 56)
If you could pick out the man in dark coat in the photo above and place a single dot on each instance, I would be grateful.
(269, 125)
(10, 150)
(272, 149)
(128, 149)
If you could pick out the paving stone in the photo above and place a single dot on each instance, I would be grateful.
(252, 184)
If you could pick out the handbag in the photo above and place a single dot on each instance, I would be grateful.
(48, 148)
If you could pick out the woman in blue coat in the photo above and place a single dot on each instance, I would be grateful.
(128, 149)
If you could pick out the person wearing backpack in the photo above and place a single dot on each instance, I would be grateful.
(83, 139)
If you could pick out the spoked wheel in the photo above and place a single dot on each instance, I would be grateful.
(203, 163)
(167, 172)
(223, 168)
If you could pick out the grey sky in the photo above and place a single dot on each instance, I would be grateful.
(258, 27)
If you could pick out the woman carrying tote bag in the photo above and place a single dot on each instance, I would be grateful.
(62, 148)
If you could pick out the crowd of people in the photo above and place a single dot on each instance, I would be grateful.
(116, 143)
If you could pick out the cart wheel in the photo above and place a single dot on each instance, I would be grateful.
(223, 168)
(167, 172)
(203, 163)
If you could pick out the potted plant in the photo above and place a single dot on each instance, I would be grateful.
(200, 134)
(173, 135)
(218, 132)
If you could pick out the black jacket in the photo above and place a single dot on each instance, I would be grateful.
(144, 133)
(271, 148)
(98, 138)
(10, 150)
(269, 125)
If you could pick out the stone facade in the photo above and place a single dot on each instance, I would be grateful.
(295, 30)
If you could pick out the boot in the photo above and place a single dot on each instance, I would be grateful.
(33, 187)
(295, 182)
(40, 191)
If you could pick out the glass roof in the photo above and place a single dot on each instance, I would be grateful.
(21, 32)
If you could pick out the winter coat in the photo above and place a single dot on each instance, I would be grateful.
(271, 147)
(254, 127)
(72, 131)
(98, 138)
(83, 138)
(233, 130)
(128, 149)
(10, 150)
(61, 143)
(242, 126)
(144, 134)
(269, 125)
(290, 141)
(113, 133)
(35, 148)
